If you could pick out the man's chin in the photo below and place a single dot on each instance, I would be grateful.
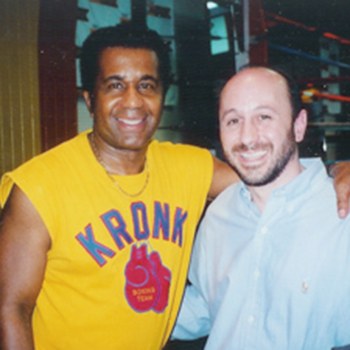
(253, 177)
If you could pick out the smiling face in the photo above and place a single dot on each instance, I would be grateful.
(127, 101)
(258, 135)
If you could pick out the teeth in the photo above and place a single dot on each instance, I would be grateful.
(131, 121)
(253, 155)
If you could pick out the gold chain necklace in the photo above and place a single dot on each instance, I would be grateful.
(121, 189)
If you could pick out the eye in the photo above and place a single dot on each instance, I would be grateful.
(115, 85)
(147, 86)
(264, 117)
(232, 121)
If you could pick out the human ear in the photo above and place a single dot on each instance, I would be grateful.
(88, 98)
(300, 125)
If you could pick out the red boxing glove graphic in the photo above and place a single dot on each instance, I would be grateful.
(164, 276)
(142, 286)
(147, 281)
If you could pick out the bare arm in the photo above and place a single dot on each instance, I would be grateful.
(341, 174)
(24, 242)
(223, 177)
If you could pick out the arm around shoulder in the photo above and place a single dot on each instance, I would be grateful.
(24, 243)
(223, 176)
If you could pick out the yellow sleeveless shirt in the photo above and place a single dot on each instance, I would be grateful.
(117, 266)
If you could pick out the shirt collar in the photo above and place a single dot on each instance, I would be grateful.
(313, 175)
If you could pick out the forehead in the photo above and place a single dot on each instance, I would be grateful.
(253, 87)
(119, 60)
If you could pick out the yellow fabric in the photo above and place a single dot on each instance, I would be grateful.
(82, 304)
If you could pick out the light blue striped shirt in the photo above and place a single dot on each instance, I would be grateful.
(277, 280)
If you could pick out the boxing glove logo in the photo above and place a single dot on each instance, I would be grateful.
(147, 281)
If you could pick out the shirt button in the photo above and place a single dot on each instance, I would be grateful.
(256, 273)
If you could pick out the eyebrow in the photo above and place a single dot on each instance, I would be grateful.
(228, 111)
(121, 78)
(258, 108)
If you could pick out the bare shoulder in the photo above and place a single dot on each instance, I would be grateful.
(20, 217)
(24, 242)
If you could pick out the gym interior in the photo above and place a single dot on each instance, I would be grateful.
(41, 102)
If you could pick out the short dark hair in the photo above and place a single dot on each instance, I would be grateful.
(292, 86)
(127, 35)
(293, 90)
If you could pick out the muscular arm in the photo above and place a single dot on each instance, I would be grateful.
(24, 242)
(341, 174)
(223, 176)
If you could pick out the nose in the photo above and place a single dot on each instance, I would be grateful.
(132, 98)
(249, 132)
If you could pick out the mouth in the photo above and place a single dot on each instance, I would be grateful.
(253, 155)
(252, 158)
(127, 122)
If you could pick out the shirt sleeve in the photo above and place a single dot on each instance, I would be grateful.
(193, 319)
